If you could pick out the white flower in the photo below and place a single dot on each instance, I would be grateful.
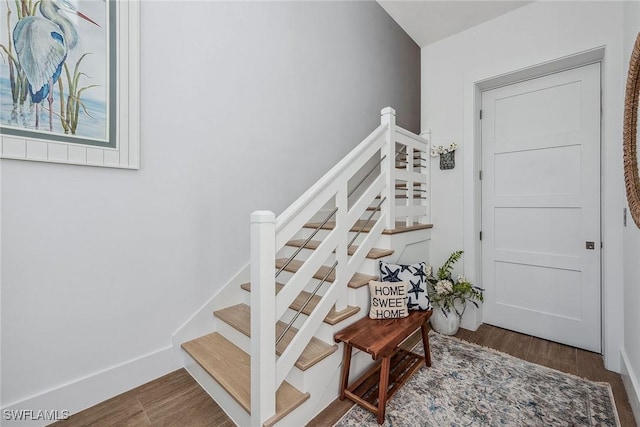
(461, 278)
(444, 287)
(440, 149)
(429, 270)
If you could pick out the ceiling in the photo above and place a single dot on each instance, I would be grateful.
(427, 21)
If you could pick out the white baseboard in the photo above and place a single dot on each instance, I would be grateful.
(631, 384)
(73, 397)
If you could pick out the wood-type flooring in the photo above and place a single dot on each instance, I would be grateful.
(177, 400)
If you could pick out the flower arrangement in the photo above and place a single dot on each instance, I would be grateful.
(446, 293)
(440, 149)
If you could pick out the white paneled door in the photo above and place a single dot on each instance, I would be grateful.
(541, 207)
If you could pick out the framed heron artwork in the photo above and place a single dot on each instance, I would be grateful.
(69, 80)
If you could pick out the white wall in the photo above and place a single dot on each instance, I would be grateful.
(244, 105)
(534, 34)
(631, 347)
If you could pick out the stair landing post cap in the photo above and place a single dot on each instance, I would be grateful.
(263, 216)
(387, 110)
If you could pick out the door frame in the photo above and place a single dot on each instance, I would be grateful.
(611, 288)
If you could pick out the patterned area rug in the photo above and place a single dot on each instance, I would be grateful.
(469, 385)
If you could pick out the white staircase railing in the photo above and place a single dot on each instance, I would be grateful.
(397, 186)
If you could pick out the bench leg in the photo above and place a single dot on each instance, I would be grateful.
(346, 364)
(425, 344)
(384, 384)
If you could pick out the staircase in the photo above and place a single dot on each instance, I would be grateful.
(268, 355)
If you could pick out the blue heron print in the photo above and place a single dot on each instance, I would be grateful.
(41, 45)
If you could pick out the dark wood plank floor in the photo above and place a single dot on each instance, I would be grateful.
(177, 400)
(172, 400)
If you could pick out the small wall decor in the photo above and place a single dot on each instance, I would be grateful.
(447, 155)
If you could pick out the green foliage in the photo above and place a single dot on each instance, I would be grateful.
(444, 272)
(69, 116)
(450, 294)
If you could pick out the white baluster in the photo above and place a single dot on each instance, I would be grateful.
(427, 171)
(388, 117)
(342, 230)
(263, 305)
(410, 201)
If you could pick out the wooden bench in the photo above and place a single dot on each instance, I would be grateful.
(381, 339)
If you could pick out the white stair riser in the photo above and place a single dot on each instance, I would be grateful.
(360, 297)
(307, 380)
(296, 377)
(235, 336)
(288, 315)
(306, 232)
(309, 288)
(324, 333)
(368, 266)
(311, 285)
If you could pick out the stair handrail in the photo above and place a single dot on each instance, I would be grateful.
(269, 234)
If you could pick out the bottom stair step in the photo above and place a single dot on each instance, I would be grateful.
(231, 368)
(239, 316)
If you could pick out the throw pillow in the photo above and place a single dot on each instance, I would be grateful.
(415, 275)
(388, 300)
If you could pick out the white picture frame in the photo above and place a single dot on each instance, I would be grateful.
(126, 154)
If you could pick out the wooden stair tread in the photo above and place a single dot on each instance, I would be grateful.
(239, 316)
(400, 227)
(403, 159)
(231, 368)
(404, 196)
(374, 253)
(416, 155)
(416, 185)
(332, 318)
(358, 280)
(402, 164)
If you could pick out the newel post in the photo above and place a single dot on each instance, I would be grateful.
(388, 166)
(263, 306)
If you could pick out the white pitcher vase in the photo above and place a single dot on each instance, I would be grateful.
(446, 324)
